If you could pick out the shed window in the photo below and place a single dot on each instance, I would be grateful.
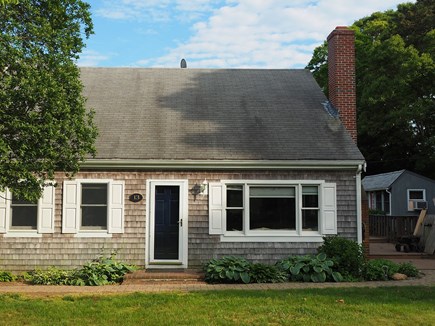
(415, 196)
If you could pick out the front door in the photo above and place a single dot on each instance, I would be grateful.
(166, 221)
(167, 241)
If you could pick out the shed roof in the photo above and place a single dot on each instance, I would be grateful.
(381, 181)
(213, 114)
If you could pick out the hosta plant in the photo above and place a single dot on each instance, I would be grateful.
(310, 268)
(228, 269)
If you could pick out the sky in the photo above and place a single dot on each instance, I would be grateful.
(217, 33)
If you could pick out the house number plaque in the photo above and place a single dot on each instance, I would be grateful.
(135, 198)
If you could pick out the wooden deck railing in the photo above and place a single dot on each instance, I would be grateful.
(391, 227)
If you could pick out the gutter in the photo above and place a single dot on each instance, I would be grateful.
(133, 164)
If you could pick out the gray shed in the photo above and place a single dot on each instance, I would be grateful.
(400, 193)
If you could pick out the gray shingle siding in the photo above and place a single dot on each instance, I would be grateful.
(67, 251)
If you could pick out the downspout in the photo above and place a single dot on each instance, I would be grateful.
(358, 203)
(389, 200)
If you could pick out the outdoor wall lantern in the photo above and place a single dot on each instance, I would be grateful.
(200, 189)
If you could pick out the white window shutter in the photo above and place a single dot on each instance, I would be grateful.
(46, 211)
(216, 208)
(71, 206)
(329, 208)
(116, 207)
(4, 210)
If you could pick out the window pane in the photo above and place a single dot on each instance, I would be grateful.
(378, 200)
(310, 201)
(310, 197)
(16, 201)
(272, 213)
(94, 217)
(387, 202)
(94, 193)
(234, 219)
(310, 190)
(272, 192)
(416, 194)
(234, 196)
(310, 220)
(24, 217)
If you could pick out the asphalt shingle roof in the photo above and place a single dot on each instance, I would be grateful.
(206, 114)
(380, 181)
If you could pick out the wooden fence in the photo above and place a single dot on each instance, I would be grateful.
(391, 227)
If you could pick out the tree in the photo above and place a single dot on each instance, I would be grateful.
(45, 126)
(395, 81)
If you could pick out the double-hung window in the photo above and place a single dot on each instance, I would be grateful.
(93, 207)
(24, 214)
(310, 208)
(254, 209)
(22, 218)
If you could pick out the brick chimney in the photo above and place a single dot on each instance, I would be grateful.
(341, 76)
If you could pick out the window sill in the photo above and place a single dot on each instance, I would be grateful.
(22, 234)
(272, 238)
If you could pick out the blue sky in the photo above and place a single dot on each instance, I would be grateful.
(216, 33)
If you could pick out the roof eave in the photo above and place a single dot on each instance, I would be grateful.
(133, 164)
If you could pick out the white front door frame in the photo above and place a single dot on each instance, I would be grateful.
(150, 262)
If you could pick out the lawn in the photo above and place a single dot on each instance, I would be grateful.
(344, 306)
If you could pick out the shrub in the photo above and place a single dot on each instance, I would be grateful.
(310, 268)
(228, 269)
(376, 212)
(7, 276)
(262, 273)
(408, 269)
(51, 276)
(379, 270)
(101, 271)
(347, 255)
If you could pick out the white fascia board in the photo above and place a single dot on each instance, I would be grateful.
(101, 164)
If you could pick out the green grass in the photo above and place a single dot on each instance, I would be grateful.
(359, 306)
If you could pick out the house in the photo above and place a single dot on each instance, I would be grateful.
(194, 164)
(400, 193)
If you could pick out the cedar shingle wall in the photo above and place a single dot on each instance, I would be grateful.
(67, 251)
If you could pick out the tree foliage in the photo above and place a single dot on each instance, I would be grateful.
(395, 78)
(45, 126)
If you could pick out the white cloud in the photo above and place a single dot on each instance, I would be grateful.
(90, 58)
(263, 34)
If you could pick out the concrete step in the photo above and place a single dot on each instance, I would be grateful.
(164, 276)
